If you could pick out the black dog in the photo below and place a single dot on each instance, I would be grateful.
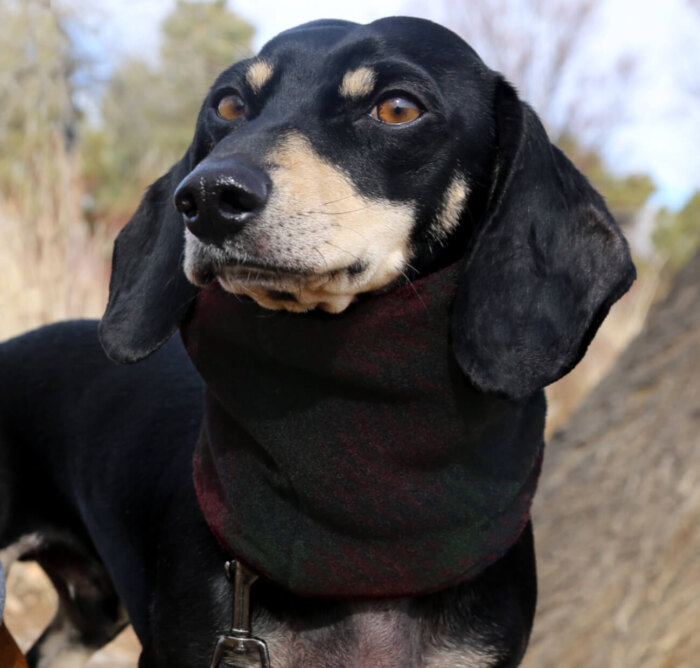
(343, 162)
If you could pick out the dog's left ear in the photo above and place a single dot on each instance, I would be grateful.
(546, 265)
(148, 291)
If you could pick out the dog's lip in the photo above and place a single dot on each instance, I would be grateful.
(244, 269)
(254, 270)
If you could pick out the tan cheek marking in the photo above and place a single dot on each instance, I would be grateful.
(358, 83)
(305, 184)
(452, 206)
(258, 74)
(358, 228)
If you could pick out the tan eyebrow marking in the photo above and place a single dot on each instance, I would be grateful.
(258, 74)
(358, 83)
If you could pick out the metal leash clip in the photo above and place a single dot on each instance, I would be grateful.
(240, 641)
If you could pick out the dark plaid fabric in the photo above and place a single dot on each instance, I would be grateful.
(346, 455)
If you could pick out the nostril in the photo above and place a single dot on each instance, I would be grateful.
(186, 205)
(235, 201)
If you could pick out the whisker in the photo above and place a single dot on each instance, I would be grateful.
(408, 265)
(325, 261)
(343, 250)
(343, 213)
(351, 229)
(340, 199)
(409, 282)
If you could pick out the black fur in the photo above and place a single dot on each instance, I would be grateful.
(158, 286)
(96, 458)
(544, 268)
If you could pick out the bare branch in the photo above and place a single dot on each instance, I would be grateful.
(539, 46)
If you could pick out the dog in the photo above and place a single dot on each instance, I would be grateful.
(342, 164)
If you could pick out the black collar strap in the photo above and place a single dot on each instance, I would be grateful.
(347, 455)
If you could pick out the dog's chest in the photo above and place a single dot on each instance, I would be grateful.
(374, 634)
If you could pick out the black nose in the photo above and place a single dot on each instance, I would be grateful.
(218, 197)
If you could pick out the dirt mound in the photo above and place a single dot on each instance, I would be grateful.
(617, 516)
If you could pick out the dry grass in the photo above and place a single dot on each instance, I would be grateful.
(618, 509)
(53, 266)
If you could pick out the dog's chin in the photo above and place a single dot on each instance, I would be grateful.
(294, 293)
(298, 290)
(281, 289)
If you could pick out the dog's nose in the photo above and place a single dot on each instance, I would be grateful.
(217, 198)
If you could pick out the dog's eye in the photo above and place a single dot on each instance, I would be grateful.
(230, 107)
(396, 110)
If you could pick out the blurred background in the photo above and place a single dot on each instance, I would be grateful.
(99, 97)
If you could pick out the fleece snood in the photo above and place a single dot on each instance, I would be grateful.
(347, 455)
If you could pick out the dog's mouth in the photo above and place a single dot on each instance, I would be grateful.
(261, 273)
(266, 274)
(291, 288)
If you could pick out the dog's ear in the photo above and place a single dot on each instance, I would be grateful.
(148, 291)
(546, 264)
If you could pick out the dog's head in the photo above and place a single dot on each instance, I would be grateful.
(346, 159)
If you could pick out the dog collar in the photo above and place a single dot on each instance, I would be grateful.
(347, 455)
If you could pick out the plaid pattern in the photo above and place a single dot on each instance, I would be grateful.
(347, 455)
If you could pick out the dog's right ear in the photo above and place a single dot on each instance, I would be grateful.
(148, 291)
(547, 263)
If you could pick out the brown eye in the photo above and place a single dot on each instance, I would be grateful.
(396, 110)
(230, 107)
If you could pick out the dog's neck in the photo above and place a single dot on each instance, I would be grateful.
(347, 456)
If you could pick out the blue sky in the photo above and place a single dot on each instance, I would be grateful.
(661, 134)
